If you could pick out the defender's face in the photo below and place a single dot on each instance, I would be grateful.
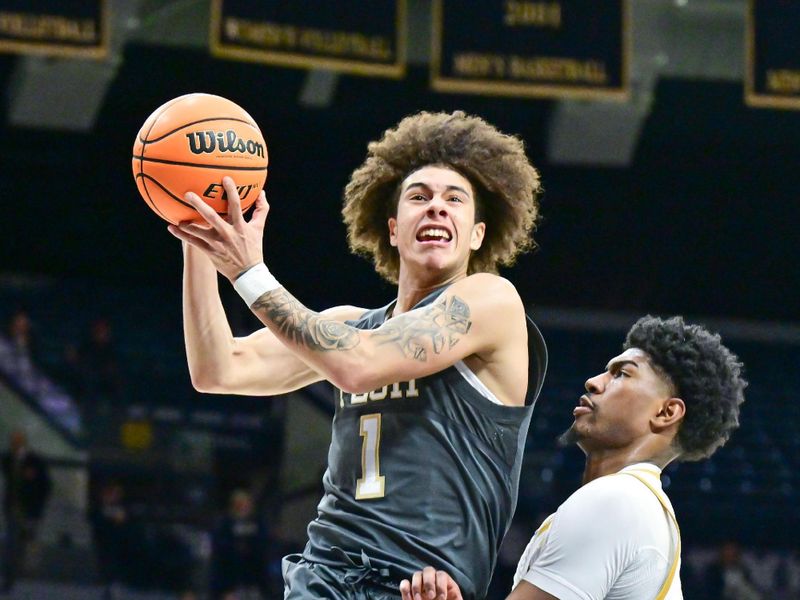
(619, 404)
(435, 224)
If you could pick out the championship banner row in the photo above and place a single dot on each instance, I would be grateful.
(550, 48)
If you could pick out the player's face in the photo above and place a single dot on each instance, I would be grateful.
(619, 403)
(435, 226)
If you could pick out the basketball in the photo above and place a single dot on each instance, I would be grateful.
(188, 145)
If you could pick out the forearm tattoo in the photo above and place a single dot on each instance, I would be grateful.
(436, 328)
(302, 326)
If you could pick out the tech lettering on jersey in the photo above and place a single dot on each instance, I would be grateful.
(400, 389)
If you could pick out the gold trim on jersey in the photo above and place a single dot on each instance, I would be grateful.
(545, 525)
(662, 593)
(674, 568)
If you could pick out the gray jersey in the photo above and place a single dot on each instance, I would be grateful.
(423, 472)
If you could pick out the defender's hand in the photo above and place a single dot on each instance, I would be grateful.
(430, 584)
(233, 244)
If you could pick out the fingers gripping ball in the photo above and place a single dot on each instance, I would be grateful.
(188, 145)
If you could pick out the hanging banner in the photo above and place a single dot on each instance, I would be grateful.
(772, 77)
(353, 36)
(567, 48)
(78, 28)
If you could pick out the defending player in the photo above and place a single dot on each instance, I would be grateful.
(673, 394)
(435, 390)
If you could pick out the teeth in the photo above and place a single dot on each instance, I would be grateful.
(435, 233)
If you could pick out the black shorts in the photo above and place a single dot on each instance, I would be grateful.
(304, 580)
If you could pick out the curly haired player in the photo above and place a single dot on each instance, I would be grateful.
(673, 394)
(434, 390)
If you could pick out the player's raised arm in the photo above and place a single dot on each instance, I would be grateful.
(258, 364)
(470, 318)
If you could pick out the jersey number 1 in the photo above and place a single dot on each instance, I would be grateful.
(371, 483)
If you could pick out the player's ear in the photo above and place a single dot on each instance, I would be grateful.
(392, 231)
(476, 238)
(671, 412)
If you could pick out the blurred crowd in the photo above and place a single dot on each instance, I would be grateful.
(130, 550)
(128, 554)
(27, 488)
(237, 568)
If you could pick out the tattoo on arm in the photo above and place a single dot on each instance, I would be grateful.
(437, 327)
(302, 326)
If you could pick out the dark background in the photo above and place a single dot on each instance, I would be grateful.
(703, 222)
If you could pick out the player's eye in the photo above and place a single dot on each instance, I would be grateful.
(455, 199)
(419, 197)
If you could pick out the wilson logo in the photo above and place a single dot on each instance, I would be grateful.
(209, 141)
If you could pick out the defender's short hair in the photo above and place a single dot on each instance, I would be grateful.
(706, 376)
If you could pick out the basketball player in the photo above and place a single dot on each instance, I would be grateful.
(673, 394)
(434, 390)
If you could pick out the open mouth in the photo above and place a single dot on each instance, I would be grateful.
(434, 234)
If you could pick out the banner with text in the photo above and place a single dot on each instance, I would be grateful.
(364, 38)
(772, 76)
(77, 28)
(575, 48)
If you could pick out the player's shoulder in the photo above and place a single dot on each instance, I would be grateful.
(487, 286)
(495, 309)
(619, 498)
(344, 312)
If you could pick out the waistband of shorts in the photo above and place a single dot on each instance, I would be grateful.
(356, 569)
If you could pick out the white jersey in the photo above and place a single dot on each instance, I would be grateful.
(611, 539)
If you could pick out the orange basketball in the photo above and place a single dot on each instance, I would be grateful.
(188, 145)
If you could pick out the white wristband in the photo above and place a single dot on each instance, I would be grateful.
(254, 283)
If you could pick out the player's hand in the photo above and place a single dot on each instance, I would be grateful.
(233, 244)
(430, 584)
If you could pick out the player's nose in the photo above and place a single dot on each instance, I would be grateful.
(594, 385)
(437, 206)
